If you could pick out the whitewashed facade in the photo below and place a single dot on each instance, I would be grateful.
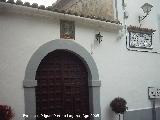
(123, 71)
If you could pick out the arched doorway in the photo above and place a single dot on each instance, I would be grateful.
(62, 87)
(30, 82)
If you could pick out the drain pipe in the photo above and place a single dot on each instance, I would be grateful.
(154, 109)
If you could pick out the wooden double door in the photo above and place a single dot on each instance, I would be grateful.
(62, 92)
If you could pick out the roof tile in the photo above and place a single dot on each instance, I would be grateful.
(50, 8)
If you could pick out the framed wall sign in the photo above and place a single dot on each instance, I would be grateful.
(140, 37)
(67, 29)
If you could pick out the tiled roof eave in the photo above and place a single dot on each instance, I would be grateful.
(19, 9)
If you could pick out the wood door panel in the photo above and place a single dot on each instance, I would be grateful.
(62, 86)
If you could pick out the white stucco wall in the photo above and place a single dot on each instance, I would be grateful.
(139, 69)
(21, 36)
(123, 73)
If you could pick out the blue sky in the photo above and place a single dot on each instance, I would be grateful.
(41, 2)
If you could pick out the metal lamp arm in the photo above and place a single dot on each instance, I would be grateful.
(143, 17)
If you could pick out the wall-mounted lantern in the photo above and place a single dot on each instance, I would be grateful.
(146, 9)
(99, 37)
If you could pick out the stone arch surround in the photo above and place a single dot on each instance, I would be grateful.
(30, 83)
